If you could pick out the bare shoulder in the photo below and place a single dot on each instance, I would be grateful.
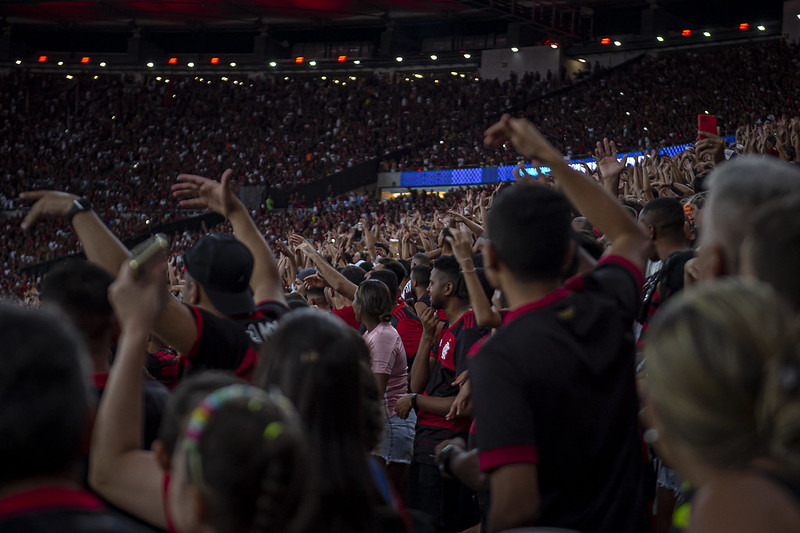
(742, 502)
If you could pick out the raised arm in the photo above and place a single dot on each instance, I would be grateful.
(608, 166)
(101, 246)
(175, 324)
(485, 316)
(370, 236)
(599, 206)
(339, 283)
(474, 227)
(291, 261)
(119, 470)
(421, 366)
(197, 191)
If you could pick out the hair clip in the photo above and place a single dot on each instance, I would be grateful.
(273, 430)
(789, 377)
(311, 356)
(198, 420)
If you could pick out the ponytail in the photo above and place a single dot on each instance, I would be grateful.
(778, 414)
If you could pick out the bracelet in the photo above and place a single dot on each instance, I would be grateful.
(414, 402)
(445, 459)
(467, 271)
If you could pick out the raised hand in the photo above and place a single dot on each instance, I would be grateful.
(461, 242)
(647, 189)
(606, 157)
(315, 281)
(52, 203)
(196, 192)
(283, 248)
(296, 240)
(137, 301)
(430, 321)
(458, 216)
(525, 138)
(305, 247)
(712, 145)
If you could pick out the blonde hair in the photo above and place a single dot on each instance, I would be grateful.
(724, 374)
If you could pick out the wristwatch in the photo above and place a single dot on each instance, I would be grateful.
(79, 205)
(414, 402)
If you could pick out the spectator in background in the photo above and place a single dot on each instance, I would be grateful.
(666, 225)
(769, 250)
(162, 362)
(419, 259)
(665, 222)
(80, 290)
(219, 289)
(44, 420)
(237, 472)
(736, 189)
(441, 358)
(373, 307)
(344, 309)
(327, 377)
(404, 319)
(419, 297)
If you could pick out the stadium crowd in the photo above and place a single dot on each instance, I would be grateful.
(486, 359)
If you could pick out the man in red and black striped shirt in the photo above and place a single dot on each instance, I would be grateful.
(448, 502)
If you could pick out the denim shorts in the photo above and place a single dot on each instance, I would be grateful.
(397, 442)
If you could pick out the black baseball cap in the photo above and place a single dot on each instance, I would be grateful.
(305, 272)
(223, 265)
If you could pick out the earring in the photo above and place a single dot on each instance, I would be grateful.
(650, 436)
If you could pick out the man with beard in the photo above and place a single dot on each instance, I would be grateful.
(441, 357)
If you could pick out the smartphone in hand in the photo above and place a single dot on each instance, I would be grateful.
(152, 249)
(707, 123)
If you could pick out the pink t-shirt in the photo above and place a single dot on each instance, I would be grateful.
(387, 356)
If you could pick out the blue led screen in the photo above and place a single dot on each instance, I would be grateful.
(477, 176)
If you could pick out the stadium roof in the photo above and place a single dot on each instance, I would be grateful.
(42, 24)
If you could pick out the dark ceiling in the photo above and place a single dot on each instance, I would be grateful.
(224, 14)
(43, 24)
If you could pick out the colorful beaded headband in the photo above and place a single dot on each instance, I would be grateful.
(199, 418)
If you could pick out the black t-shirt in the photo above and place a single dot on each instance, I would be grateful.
(231, 344)
(450, 351)
(155, 396)
(62, 509)
(555, 387)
